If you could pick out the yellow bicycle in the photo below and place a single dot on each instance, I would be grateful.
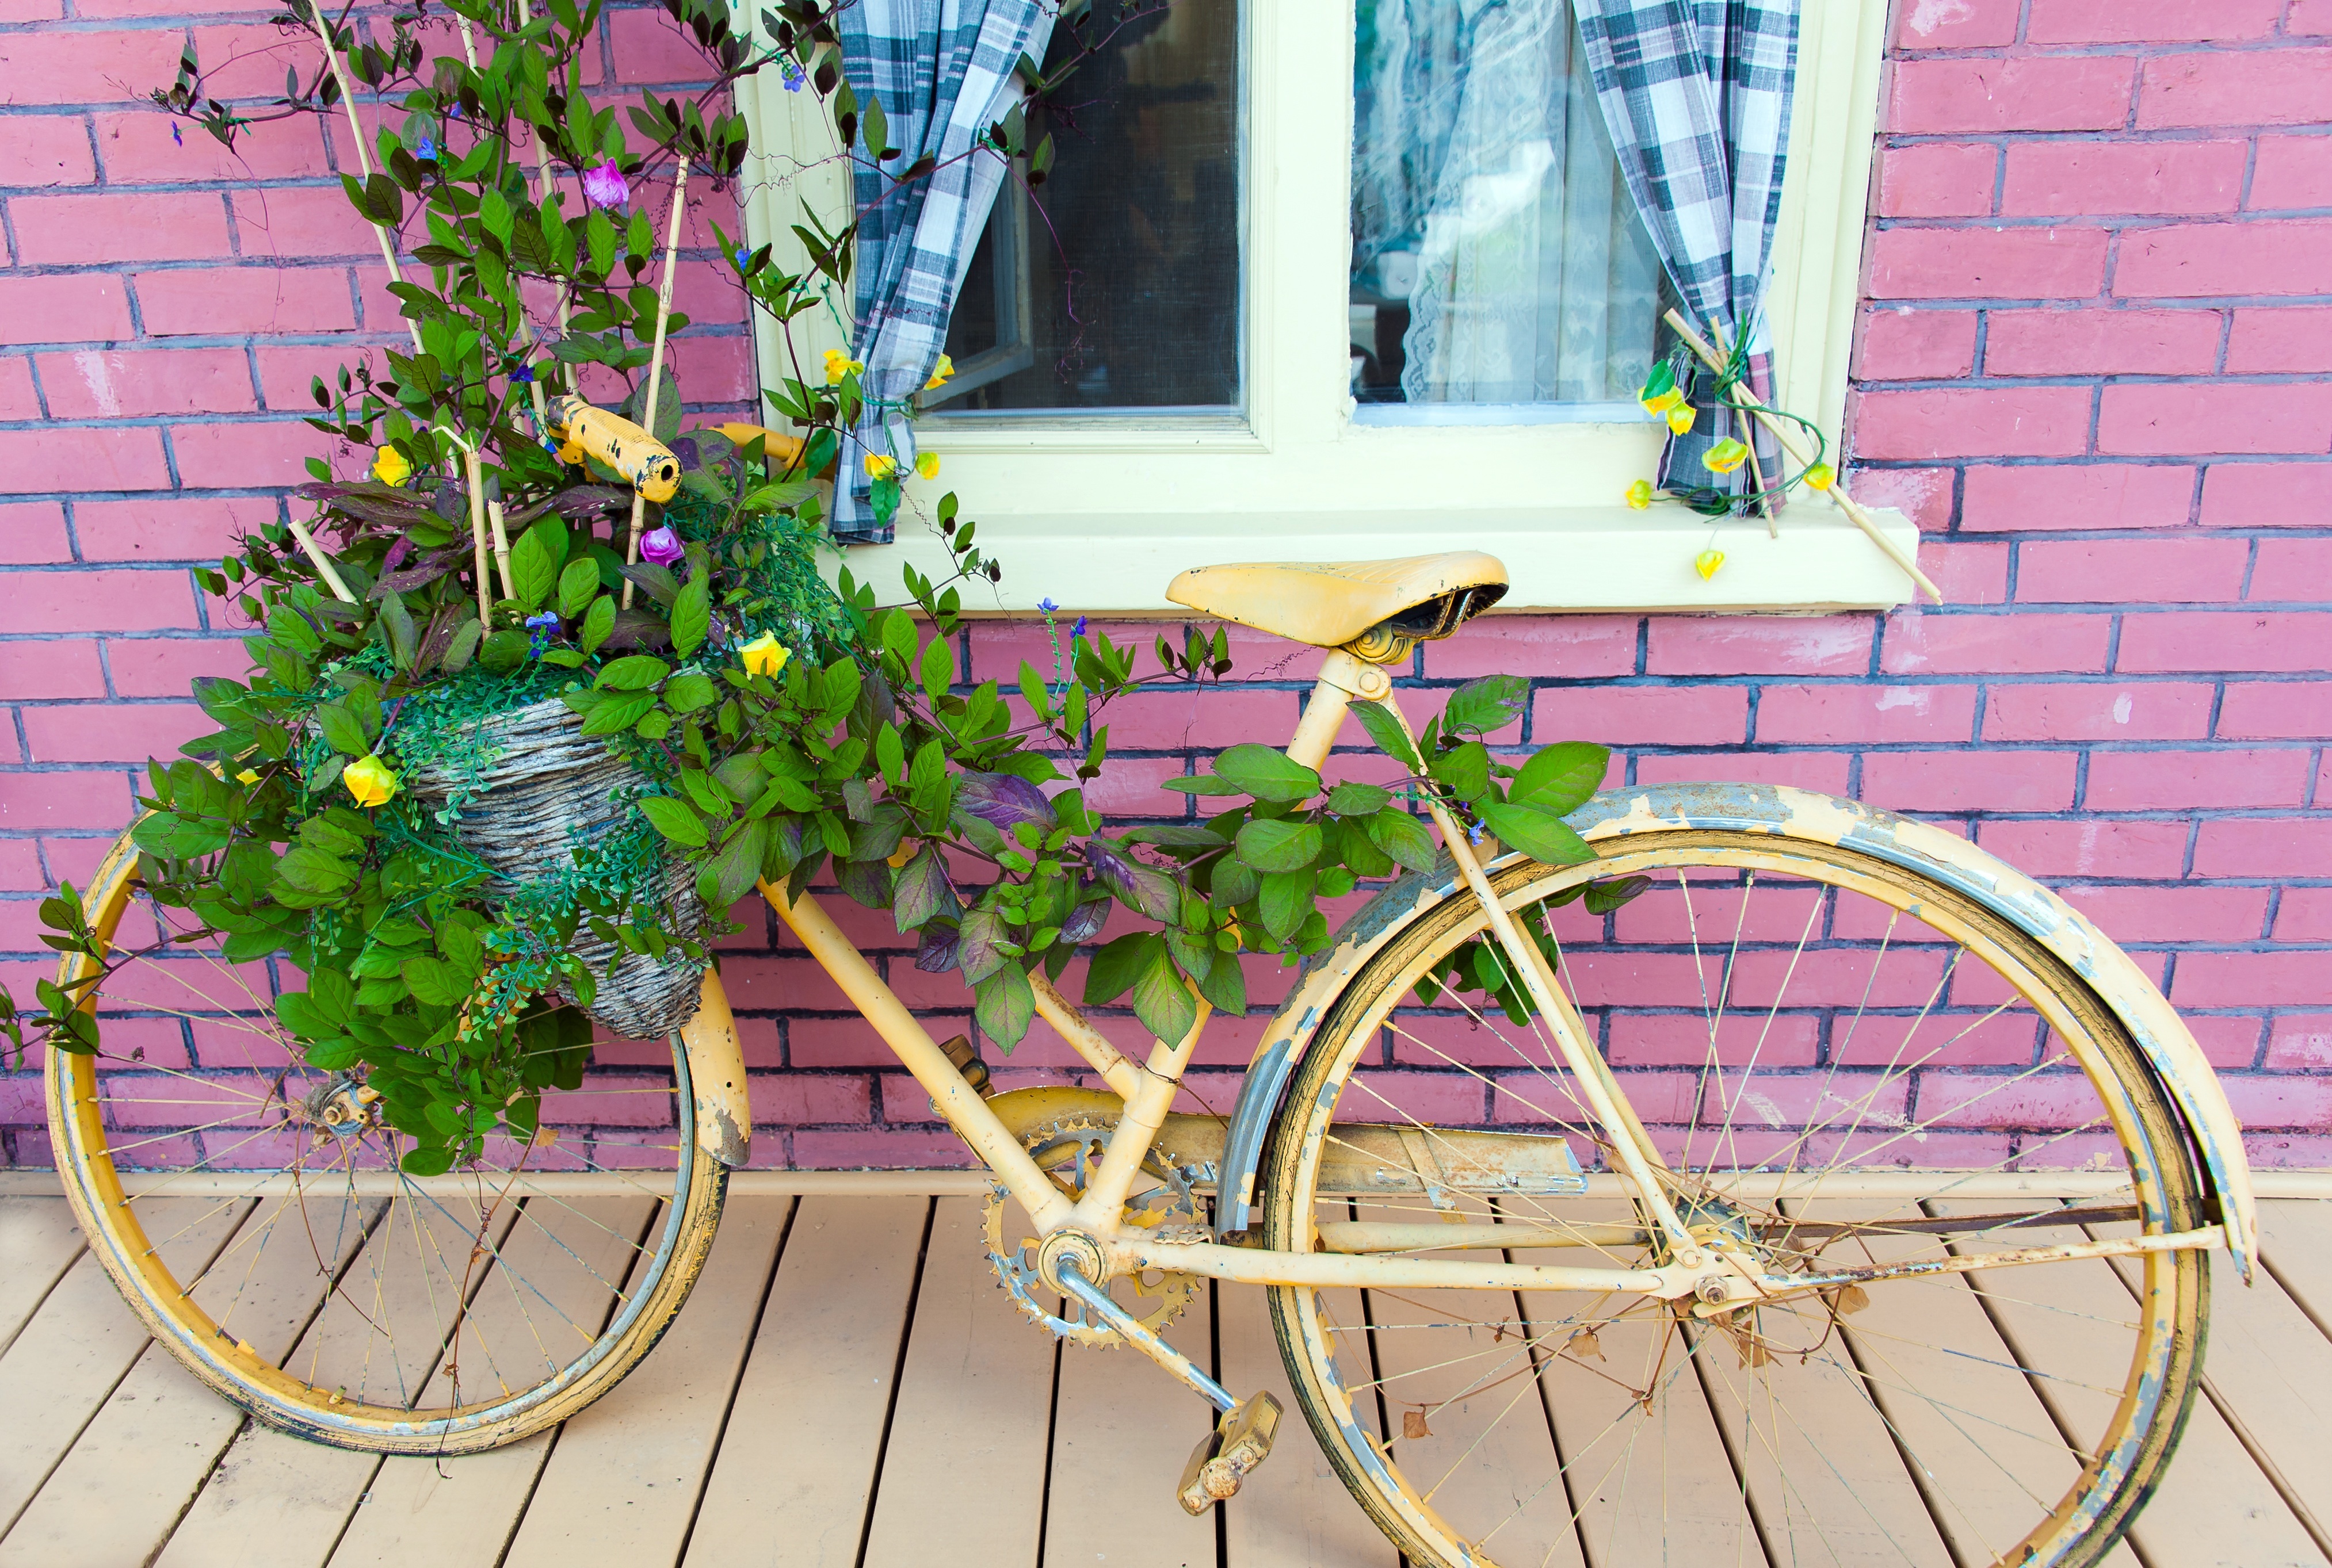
(1792, 1163)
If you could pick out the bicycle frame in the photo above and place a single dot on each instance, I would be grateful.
(1148, 1089)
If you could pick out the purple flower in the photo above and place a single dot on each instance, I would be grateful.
(541, 629)
(604, 186)
(1079, 628)
(176, 137)
(425, 150)
(523, 373)
(662, 546)
(795, 76)
(1047, 607)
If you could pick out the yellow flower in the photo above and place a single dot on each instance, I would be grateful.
(1725, 456)
(839, 364)
(927, 464)
(1818, 476)
(765, 655)
(1681, 416)
(1706, 563)
(1639, 494)
(1661, 402)
(902, 854)
(370, 779)
(247, 777)
(881, 465)
(390, 467)
(941, 374)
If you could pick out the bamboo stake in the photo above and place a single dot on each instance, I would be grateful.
(364, 157)
(501, 548)
(322, 563)
(656, 360)
(478, 539)
(1747, 437)
(1845, 503)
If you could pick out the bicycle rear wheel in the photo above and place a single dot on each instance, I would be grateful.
(1845, 1065)
(253, 1213)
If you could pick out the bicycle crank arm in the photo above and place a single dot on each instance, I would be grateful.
(1749, 1292)
(1098, 1302)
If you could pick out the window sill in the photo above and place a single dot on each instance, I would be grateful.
(1575, 558)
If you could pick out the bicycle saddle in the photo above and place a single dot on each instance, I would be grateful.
(1328, 604)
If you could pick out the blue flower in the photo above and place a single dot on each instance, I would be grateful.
(177, 137)
(524, 375)
(795, 76)
(541, 629)
(744, 258)
(1047, 607)
(1079, 628)
(426, 150)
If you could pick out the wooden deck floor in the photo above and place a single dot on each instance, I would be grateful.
(847, 1388)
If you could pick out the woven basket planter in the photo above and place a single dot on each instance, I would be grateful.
(549, 790)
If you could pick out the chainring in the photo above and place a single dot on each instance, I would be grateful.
(1068, 1149)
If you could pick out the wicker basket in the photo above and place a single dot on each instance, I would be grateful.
(548, 789)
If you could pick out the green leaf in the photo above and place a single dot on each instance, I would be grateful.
(534, 563)
(1404, 838)
(436, 981)
(690, 690)
(1205, 783)
(1117, 965)
(675, 820)
(1234, 883)
(1267, 775)
(922, 891)
(1358, 800)
(730, 874)
(343, 730)
(1357, 849)
(1384, 728)
(618, 713)
(691, 614)
(1464, 771)
(1486, 706)
(597, 624)
(300, 1015)
(1286, 902)
(936, 670)
(1005, 1003)
(1279, 846)
(1225, 985)
(1561, 777)
(177, 838)
(1602, 897)
(1162, 999)
(1540, 835)
(633, 672)
(578, 584)
(982, 930)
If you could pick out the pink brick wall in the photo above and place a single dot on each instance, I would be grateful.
(2090, 361)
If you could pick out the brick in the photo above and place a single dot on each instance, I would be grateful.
(285, 221)
(2191, 914)
(2281, 339)
(52, 801)
(233, 301)
(2291, 171)
(1823, 772)
(2100, 710)
(46, 149)
(162, 666)
(32, 670)
(244, 454)
(2176, 420)
(1687, 715)
(2146, 781)
(2304, 915)
(88, 65)
(2089, 847)
(112, 732)
(2299, 1040)
(2037, 496)
(1940, 97)
(2055, 178)
(2066, 263)
(2254, 980)
(1178, 720)
(54, 461)
(119, 226)
(2257, 256)
(178, 527)
(1575, 647)
(880, 1149)
(714, 369)
(114, 600)
(1864, 714)
(2149, 21)
(2292, 569)
(2276, 710)
(2270, 847)
(1932, 423)
(103, 383)
(83, 307)
(286, 373)
(795, 1099)
(1956, 24)
(1756, 645)
(2094, 342)
(2117, 571)
(18, 400)
(1953, 780)
(1969, 573)
(2236, 87)
(2228, 1040)
(32, 532)
(2262, 495)
(649, 48)
(1905, 345)
(2023, 643)
(1938, 180)
(135, 150)
(2309, 16)
(2209, 641)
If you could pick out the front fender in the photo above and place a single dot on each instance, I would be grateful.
(2160, 1035)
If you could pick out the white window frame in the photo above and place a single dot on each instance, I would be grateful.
(1097, 512)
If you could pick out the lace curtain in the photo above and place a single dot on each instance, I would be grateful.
(1486, 189)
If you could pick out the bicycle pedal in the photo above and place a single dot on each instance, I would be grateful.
(967, 1061)
(1227, 1455)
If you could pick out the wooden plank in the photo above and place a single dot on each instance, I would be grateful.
(38, 1243)
(82, 1341)
(2296, 1241)
(274, 1501)
(2213, 1508)
(461, 1513)
(1121, 1431)
(1294, 1512)
(963, 1476)
(161, 1423)
(788, 1488)
(623, 1483)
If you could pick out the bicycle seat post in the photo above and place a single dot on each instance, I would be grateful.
(1346, 675)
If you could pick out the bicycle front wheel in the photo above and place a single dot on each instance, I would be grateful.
(251, 1212)
(1845, 1066)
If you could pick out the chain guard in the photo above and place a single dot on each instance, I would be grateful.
(1075, 1142)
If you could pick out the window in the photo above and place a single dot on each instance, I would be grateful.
(1094, 493)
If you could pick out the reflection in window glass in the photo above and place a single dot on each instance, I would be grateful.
(1496, 255)
(1116, 283)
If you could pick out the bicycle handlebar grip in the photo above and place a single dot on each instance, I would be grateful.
(775, 445)
(623, 446)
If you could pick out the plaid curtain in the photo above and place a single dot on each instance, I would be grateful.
(943, 71)
(1696, 93)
